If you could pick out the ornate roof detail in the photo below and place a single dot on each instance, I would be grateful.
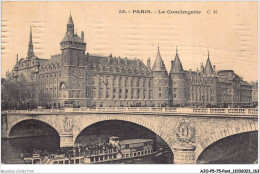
(176, 64)
(70, 21)
(158, 63)
(208, 67)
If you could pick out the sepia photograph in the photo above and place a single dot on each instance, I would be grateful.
(135, 82)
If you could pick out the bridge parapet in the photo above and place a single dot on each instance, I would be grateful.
(169, 110)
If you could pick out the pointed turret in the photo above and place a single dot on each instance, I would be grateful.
(176, 66)
(70, 26)
(160, 82)
(30, 46)
(208, 67)
(177, 82)
(158, 63)
(70, 21)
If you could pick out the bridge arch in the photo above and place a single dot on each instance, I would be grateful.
(168, 140)
(16, 121)
(206, 142)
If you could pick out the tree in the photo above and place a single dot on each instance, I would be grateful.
(20, 95)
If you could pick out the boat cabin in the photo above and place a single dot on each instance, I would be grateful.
(114, 140)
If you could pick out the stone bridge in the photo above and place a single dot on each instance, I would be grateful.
(186, 131)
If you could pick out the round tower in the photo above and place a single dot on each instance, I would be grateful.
(160, 82)
(177, 82)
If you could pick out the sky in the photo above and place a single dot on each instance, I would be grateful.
(230, 35)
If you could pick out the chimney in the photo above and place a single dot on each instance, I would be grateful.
(82, 35)
(202, 68)
(16, 57)
(214, 68)
(149, 62)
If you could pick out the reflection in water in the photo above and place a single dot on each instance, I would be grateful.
(12, 148)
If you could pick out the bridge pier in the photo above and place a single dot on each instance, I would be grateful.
(184, 153)
(66, 140)
(4, 127)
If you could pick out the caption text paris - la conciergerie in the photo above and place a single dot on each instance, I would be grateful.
(185, 12)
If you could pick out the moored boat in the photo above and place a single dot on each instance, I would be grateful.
(112, 151)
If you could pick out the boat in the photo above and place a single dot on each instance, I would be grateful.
(113, 151)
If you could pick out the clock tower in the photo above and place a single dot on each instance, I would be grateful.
(73, 50)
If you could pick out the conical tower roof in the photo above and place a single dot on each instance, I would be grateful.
(70, 21)
(208, 67)
(176, 66)
(158, 63)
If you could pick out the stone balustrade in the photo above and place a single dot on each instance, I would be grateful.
(166, 110)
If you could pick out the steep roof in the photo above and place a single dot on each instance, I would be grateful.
(109, 63)
(70, 21)
(74, 38)
(245, 83)
(158, 63)
(208, 67)
(176, 64)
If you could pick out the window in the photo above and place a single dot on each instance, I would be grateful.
(144, 94)
(78, 94)
(114, 81)
(132, 93)
(94, 80)
(119, 81)
(54, 92)
(107, 93)
(80, 83)
(160, 95)
(107, 81)
(160, 88)
(126, 81)
(101, 93)
(100, 81)
(132, 82)
(174, 96)
(150, 83)
(144, 85)
(150, 93)
(126, 93)
(138, 82)
(120, 93)
(94, 92)
(87, 80)
(80, 72)
(114, 93)
(74, 83)
(87, 91)
(138, 93)
(73, 71)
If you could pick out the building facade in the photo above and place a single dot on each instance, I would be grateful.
(81, 79)
(255, 93)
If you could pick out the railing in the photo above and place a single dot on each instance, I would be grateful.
(199, 111)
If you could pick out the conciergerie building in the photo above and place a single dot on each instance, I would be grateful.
(87, 80)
